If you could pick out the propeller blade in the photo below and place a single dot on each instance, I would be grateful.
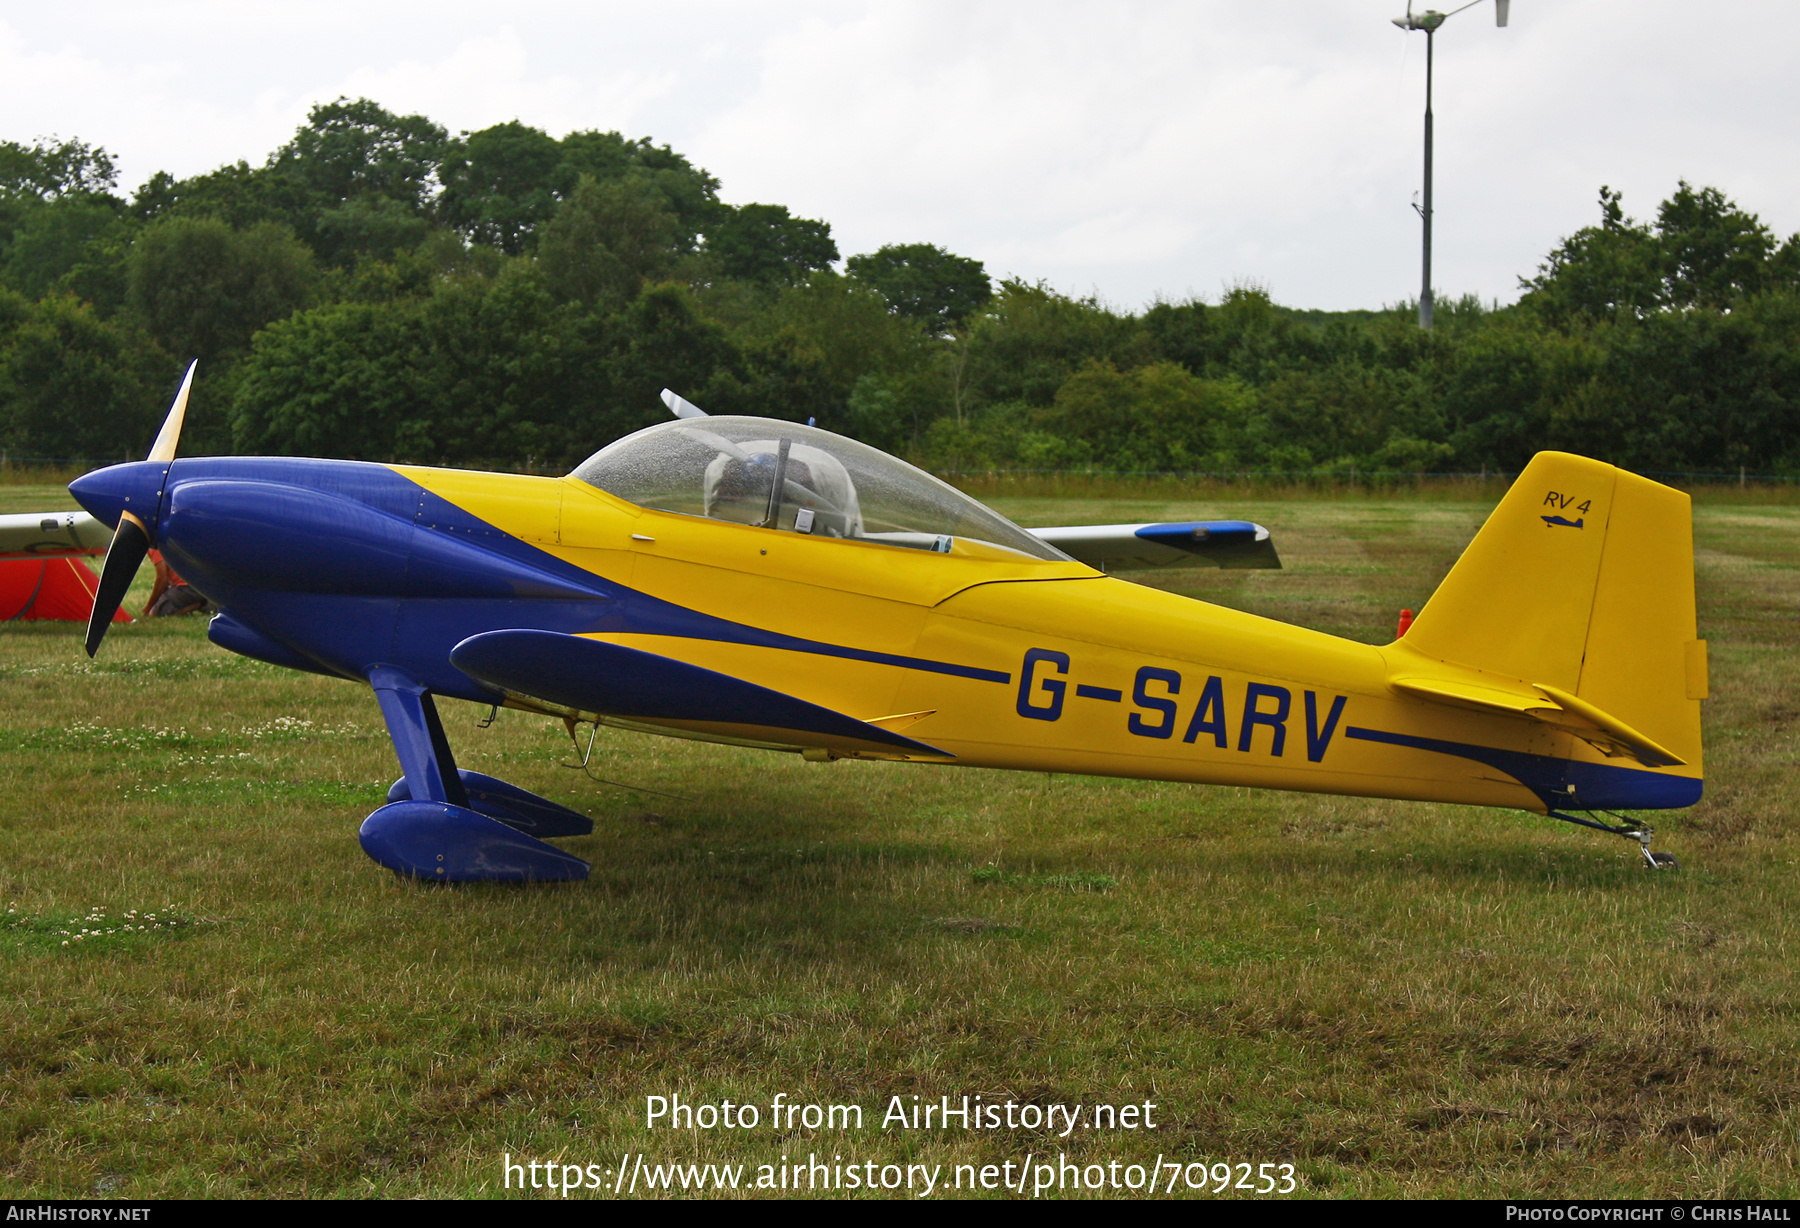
(131, 539)
(166, 439)
(129, 545)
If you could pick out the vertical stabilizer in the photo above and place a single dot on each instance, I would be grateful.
(1582, 580)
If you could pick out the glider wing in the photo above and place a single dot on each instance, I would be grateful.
(51, 535)
(1192, 543)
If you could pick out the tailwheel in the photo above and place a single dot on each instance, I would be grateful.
(1631, 829)
(1656, 861)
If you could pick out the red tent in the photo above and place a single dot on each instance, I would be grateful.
(58, 589)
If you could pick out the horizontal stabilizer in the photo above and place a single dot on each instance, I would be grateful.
(1612, 736)
(1194, 543)
(1524, 701)
(590, 675)
(1604, 730)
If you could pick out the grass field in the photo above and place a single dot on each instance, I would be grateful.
(1395, 998)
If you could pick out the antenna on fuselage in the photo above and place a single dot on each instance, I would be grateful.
(680, 407)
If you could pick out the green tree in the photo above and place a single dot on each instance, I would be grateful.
(925, 283)
(1704, 251)
(354, 151)
(338, 380)
(97, 273)
(73, 385)
(202, 289)
(55, 198)
(1177, 332)
(847, 327)
(1599, 271)
(878, 413)
(235, 193)
(1692, 390)
(660, 341)
(52, 238)
(688, 192)
(1249, 337)
(501, 183)
(1713, 253)
(480, 370)
(1499, 389)
(1029, 341)
(606, 241)
(349, 149)
(1157, 417)
(52, 169)
(1347, 413)
(765, 243)
(369, 227)
(458, 376)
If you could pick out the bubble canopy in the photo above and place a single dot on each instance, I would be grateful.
(793, 478)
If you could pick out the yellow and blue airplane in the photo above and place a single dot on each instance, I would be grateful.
(769, 584)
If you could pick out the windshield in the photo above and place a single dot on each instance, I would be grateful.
(781, 475)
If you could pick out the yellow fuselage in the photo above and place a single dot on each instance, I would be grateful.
(1057, 667)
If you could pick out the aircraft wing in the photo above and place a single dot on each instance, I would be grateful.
(1191, 543)
(50, 535)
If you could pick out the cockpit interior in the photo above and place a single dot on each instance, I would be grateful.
(799, 479)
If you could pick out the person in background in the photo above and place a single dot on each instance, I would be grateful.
(170, 594)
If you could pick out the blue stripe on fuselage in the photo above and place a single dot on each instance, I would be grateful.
(1598, 786)
(616, 609)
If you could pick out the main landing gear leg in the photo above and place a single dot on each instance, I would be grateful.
(1630, 828)
(451, 826)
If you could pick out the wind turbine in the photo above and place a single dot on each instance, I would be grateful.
(1429, 21)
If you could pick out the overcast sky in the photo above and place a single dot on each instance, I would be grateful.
(1127, 150)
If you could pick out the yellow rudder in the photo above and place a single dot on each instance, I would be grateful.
(1643, 663)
